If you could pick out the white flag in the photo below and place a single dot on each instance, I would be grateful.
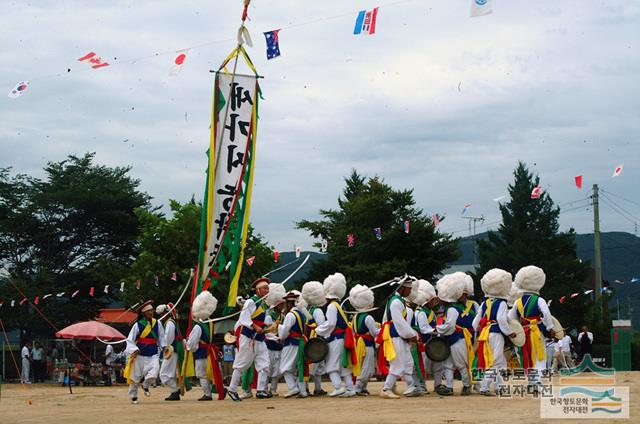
(122, 287)
(60, 294)
(106, 288)
(480, 8)
(325, 244)
(13, 303)
(18, 90)
(498, 199)
(46, 296)
(178, 61)
(618, 170)
(298, 251)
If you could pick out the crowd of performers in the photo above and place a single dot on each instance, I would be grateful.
(274, 326)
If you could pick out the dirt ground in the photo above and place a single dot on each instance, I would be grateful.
(51, 404)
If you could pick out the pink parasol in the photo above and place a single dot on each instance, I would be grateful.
(89, 330)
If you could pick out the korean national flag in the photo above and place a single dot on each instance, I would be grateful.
(273, 48)
(481, 8)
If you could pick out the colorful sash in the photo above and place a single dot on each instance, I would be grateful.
(533, 349)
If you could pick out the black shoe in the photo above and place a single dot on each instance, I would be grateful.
(444, 391)
(205, 397)
(134, 400)
(147, 393)
(319, 392)
(173, 396)
(234, 396)
(261, 394)
(466, 391)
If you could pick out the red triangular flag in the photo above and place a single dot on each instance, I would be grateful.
(574, 295)
(250, 260)
(578, 179)
(91, 292)
(562, 299)
(436, 219)
(138, 282)
(174, 276)
(36, 300)
(23, 301)
(276, 256)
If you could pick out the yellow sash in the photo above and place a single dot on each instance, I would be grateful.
(467, 309)
(341, 312)
(361, 348)
(538, 352)
(145, 332)
(484, 336)
(389, 350)
(188, 366)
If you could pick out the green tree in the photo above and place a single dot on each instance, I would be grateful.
(170, 244)
(74, 229)
(529, 235)
(367, 204)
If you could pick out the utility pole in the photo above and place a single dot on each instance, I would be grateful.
(596, 242)
(474, 220)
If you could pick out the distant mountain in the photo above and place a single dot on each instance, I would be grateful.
(620, 263)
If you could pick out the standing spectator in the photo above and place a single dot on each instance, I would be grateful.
(109, 359)
(566, 351)
(586, 342)
(26, 363)
(38, 357)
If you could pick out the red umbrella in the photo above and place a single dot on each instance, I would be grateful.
(89, 330)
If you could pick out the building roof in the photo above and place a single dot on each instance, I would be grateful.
(116, 315)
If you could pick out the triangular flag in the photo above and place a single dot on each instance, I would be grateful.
(298, 251)
(466, 208)
(498, 199)
(36, 300)
(75, 293)
(178, 61)
(276, 256)
(138, 282)
(174, 276)
(22, 302)
(562, 299)
(156, 280)
(121, 287)
(46, 296)
(324, 245)
(13, 303)
(578, 179)
(406, 226)
(635, 280)
(1, 303)
(573, 295)
(436, 220)
(91, 290)
(618, 170)
(378, 233)
(480, 8)
(588, 292)
(60, 294)
(549, 302)
(535, 193)
(106, 288)
(251, 260)
(351, 240)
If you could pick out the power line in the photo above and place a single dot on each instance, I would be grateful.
(621, 208)
(604, 199)
(621, 197)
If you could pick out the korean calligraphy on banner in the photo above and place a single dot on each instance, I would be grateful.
(229, 180)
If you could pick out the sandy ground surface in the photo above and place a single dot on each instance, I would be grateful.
(53, 404)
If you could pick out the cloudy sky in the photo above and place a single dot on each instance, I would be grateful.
(434, 101)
